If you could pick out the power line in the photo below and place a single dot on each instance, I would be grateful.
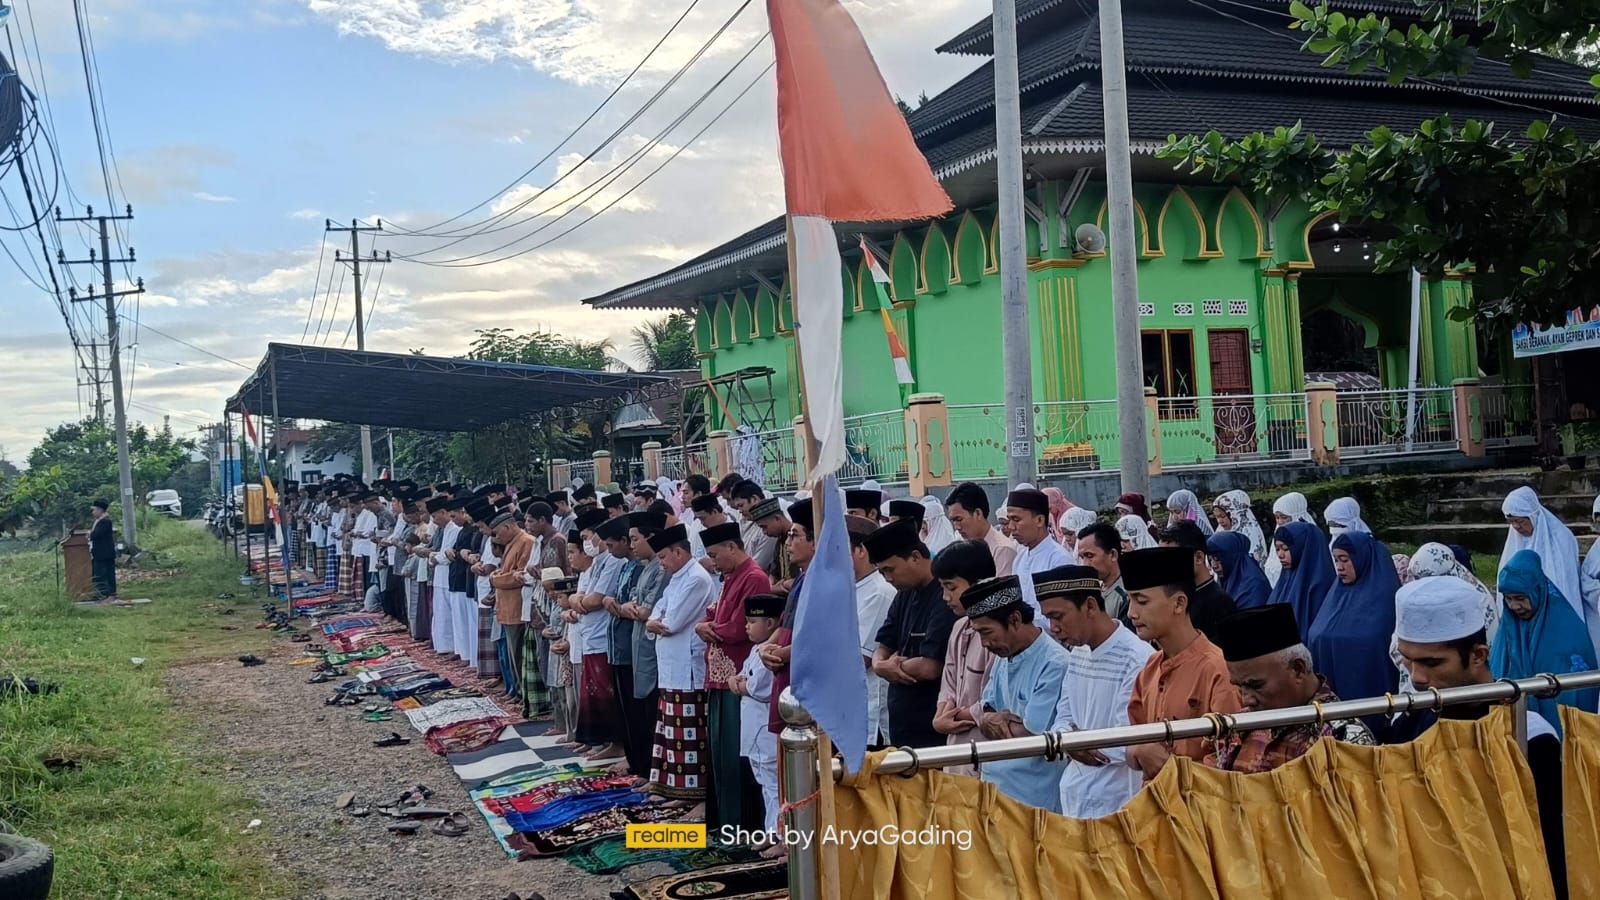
(524, 203)
(601, 211)
(570, 135)
(316, 284)
(338, 300)
(178, 340)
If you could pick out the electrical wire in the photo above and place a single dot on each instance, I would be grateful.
(584, 195)
(316, 284)
(601, 211)
(178, 340)
(525, 202)
(338, 300)
(570, 135)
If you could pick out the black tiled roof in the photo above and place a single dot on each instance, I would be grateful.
(1204, 43)
(1037, 16)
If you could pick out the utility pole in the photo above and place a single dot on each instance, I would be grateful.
(1134, 445)
(355, 261)
(1016, 342)
(130, 535)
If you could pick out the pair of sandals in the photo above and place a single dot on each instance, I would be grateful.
(453, 825)
(392, 739)
(250, 659)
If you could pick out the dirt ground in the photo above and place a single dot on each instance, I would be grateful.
(267, 731)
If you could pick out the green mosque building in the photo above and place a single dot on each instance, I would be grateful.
(1244, 304)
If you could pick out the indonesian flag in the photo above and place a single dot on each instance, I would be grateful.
(848, 156)
(271, 493)
(897, 349)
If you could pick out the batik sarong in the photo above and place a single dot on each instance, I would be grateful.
(678, 765)
(599, 712)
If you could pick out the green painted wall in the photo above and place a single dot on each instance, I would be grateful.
(1209, 261)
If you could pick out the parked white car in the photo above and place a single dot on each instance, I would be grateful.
(165, 502)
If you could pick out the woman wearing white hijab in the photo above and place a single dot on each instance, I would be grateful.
(1135, 533)
(1234, 514)
(1184, 506)
(1291, 507)
(1073, 521)
(937, 532)
(1344, 514)
(1533, 527)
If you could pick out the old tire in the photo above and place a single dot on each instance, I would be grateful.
(26, 868)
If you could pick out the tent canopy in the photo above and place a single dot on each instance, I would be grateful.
(429, 393)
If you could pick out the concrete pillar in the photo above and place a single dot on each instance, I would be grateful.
(1469, 416)
(1322, 423)
(1152, 424)
(802, 448)
(720, 454)
(927, 443)
(560, 474)
(652, 460)
(602, 467)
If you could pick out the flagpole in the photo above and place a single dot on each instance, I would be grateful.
(828, 856)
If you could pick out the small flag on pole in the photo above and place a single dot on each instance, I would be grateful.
(848, 156)
(897, 347)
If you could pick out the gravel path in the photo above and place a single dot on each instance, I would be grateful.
(266, 731)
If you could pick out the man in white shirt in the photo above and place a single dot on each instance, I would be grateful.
(874, 593)
(362, 547)
(680, 761)
(442, 624)
(1028, 511)
(1104, 661)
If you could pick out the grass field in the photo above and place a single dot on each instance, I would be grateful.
(135, 817)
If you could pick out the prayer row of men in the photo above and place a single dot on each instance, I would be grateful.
(668, 641)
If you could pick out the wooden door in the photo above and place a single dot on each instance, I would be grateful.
(1234, 422)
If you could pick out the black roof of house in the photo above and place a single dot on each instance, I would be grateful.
(1193, 66)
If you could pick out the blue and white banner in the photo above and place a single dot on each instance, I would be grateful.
(1582, 332)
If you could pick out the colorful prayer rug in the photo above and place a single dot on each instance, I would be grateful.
(594, 826)
(464, 737)
(449, 712)
(742, 881)
(610, 855)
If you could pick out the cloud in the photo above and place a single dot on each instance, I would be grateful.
(170, 171)
(306, 214)
(207, 197)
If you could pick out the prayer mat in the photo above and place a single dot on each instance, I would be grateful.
(562, 810)
(766, 880)
(346, 625)
(429, 682)
(512, 785)
(608, 856)
(549, 746)
(463, 737)
(532, 799)
(462, 692)
(494, 761)
(595, 826)
(373, 652)
(449, 712)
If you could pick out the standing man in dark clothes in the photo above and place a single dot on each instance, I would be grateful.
(1209, 604)
(912, 641)
(103, 552)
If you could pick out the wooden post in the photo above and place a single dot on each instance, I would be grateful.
(1152, 425)
(1322, 422)
(1469, 416)
(652, 460)
(927, 442)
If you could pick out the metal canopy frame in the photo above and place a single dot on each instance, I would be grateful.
(430, 393)
(760, 413)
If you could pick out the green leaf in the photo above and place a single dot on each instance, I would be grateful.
(1301, 11)
(1522, 65)
(1460, 314)
(1538, 129)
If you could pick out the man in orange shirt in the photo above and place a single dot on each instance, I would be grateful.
(1187, 677)
(508, 581)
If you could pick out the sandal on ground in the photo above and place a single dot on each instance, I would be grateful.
(453, 825)
(360, 812)
(405, 827)
(250, 659)
(424, 812)
(377, 716)
(415, 795)
(392, 739)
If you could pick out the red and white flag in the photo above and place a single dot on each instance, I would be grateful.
(897, 347)
(848, 156)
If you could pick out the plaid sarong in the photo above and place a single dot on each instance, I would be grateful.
(488, 653)
(346, 574)
(330, 572)
(535, 693)
(678, 764)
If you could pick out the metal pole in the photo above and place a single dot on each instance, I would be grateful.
(119, 408)
(1133, 445)
(361, 340)
(1415, 359)
(1504, 690)
(1016, 340)
(797, 769)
